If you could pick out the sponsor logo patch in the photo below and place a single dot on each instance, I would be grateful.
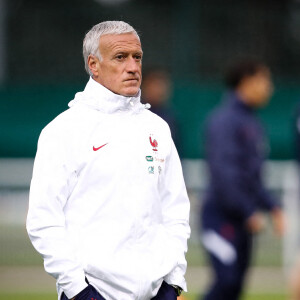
(97, 148)
(151, 170)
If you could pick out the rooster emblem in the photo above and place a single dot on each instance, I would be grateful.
(153, 143)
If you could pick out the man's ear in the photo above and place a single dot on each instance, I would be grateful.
(93, 63)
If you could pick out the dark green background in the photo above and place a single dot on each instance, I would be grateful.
(27, 109)
(42, 65)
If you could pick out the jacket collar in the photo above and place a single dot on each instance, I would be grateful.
(235, 101)
(100, 98)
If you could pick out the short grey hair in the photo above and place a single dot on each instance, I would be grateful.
(91, 41)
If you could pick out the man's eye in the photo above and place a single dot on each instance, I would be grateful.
(120, 57)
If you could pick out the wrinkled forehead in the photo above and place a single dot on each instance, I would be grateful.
(127, 42)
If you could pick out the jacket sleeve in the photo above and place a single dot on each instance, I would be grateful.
(50, 187)
(265, 199)
(228, 160)
(175, 212)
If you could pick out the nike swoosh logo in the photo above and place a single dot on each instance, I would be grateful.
(95, 149)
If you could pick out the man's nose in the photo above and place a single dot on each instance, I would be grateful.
(133, 65)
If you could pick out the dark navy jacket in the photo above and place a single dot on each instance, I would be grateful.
(235, 148)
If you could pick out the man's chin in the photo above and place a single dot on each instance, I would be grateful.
(130, 92)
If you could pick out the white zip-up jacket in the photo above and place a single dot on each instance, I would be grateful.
(108, 200)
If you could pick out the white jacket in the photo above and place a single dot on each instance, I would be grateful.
(108, 199)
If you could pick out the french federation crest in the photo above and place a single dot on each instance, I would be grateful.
(153, 143)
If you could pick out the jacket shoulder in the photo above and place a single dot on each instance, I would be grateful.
(64, 125)
(60, 123)
(226, 116)
(156, 119)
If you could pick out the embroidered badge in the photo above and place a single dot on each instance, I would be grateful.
(153, 143)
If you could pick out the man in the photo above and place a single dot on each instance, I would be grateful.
(108, 207)
(235, 153)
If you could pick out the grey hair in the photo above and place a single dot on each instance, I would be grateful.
(91, 40)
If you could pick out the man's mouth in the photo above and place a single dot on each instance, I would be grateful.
(132, 79)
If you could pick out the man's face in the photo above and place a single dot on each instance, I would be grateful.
(258, 88)
(262, 88)
(120, 67)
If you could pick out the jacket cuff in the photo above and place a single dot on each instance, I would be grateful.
(75, 288)
(176, 278)
(248, 212)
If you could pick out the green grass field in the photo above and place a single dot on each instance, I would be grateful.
(16, 251)
(14, 296)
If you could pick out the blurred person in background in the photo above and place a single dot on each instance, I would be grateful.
(157, 91)
(108, 207)
(236, 196)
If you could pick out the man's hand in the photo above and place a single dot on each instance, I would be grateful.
(278, 221)
(255, 223)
